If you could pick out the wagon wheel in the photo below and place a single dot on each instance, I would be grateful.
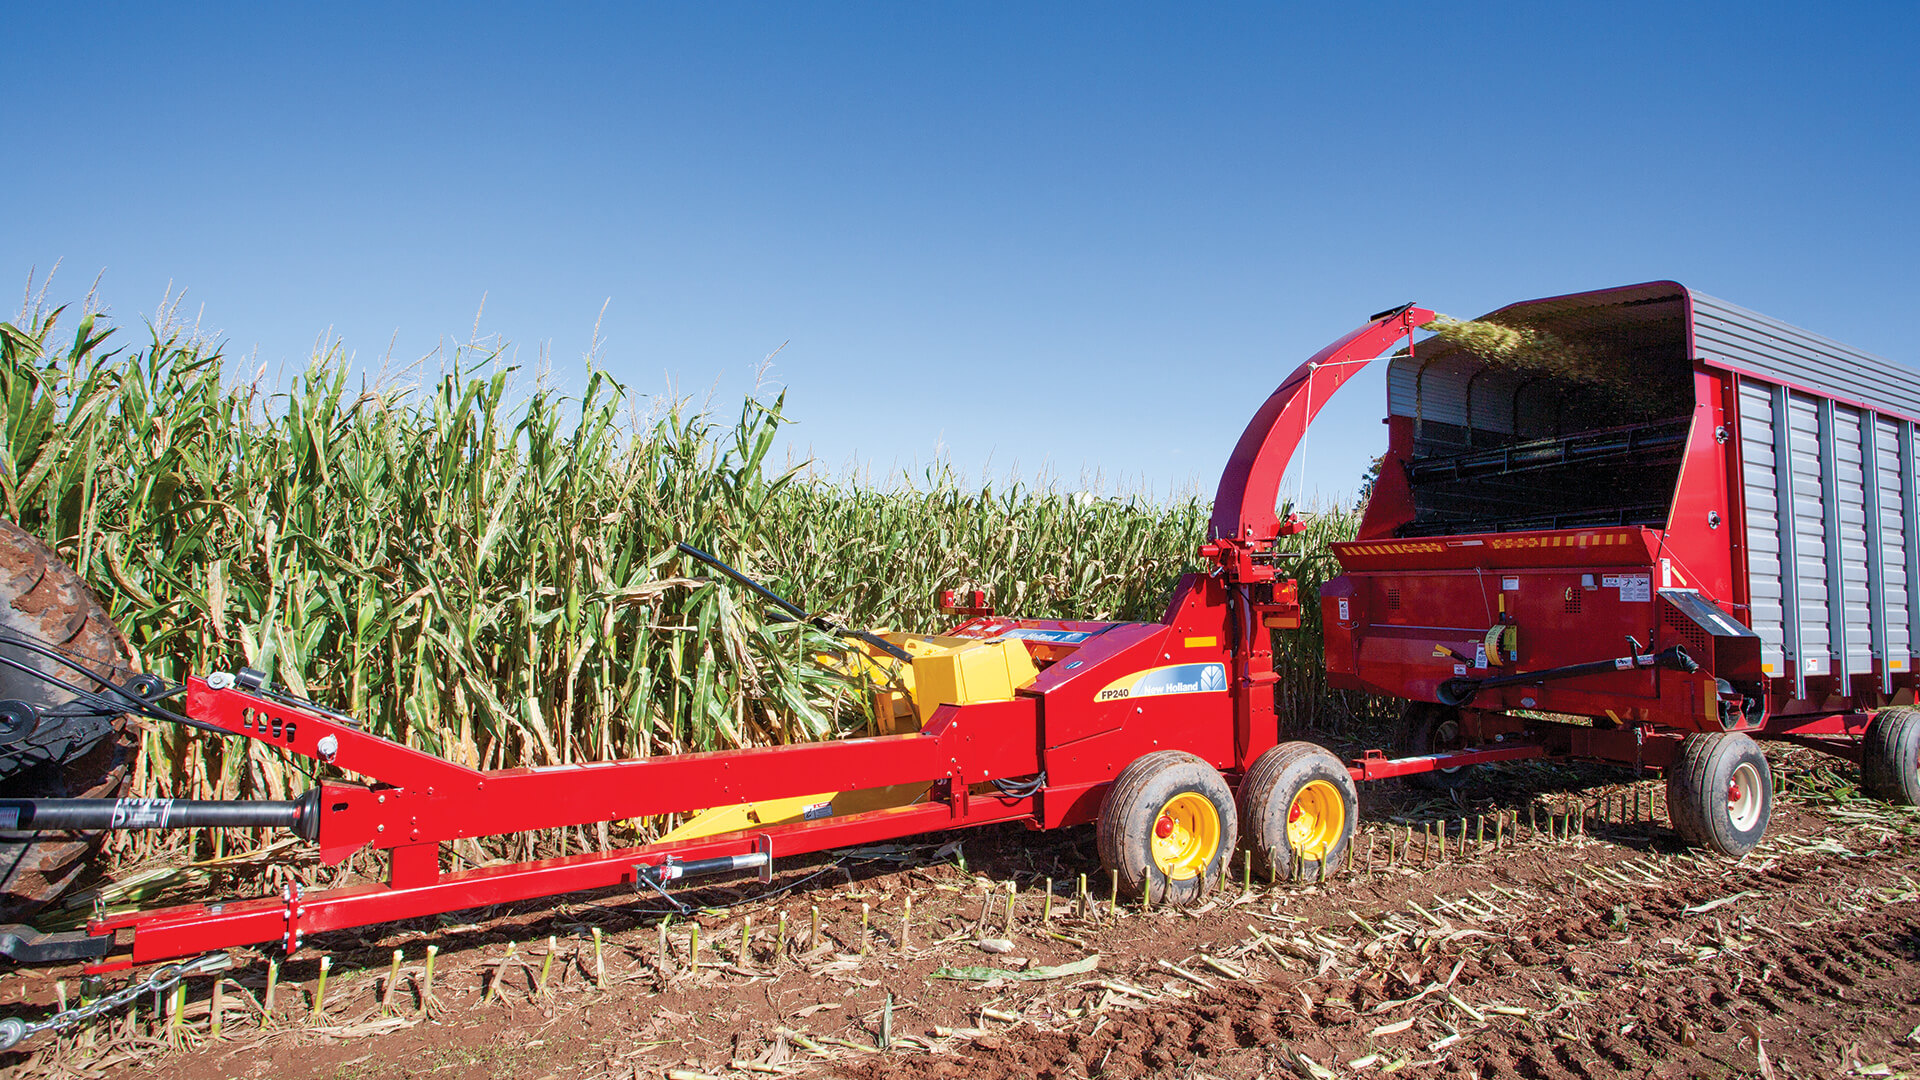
(1298, 810)
(1720, 791)
(1890, 756)
(1168, 825)
(52, 745)
(1426, 728)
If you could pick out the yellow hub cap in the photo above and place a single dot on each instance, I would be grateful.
(1316, 821)
(1186, 836)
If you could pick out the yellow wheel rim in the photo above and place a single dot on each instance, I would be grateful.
(1316, 820)
(1186, 836)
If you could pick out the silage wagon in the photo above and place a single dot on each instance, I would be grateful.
(1730, 499)
(1688, 527)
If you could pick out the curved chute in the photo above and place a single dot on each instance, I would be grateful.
(1243, 508)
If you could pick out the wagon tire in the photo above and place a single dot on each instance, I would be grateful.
(1890, 756)
(1298, 811)
(66, 751)
(1720, 792)
(1427, 728)
(1168, 823)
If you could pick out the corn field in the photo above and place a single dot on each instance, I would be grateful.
(487, 571)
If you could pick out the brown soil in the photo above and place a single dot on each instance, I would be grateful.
(1614, 953)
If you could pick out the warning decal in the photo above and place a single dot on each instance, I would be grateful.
(1633, 587)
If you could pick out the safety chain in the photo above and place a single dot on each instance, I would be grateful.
(14, 1030)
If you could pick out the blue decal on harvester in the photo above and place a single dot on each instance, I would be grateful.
(1172, 679)
(1056, 637)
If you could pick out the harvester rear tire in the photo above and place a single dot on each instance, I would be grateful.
(1298, 810)
(1428, 728)
(1720, 792)
(1168, 824)
(69, 752)
(1890, 756)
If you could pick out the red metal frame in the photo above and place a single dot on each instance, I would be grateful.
(416, 801)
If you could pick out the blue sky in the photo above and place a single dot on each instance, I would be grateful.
(1038, 237)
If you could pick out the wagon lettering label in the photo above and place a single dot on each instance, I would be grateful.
(1170, 679)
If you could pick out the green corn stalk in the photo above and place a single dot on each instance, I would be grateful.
(487, 571)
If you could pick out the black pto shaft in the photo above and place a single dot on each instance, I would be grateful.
(1458, 692)
(302, 815)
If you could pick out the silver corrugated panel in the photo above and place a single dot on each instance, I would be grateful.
(1847, 532)
(1431, 391)
(1893, 621)
(1730, 335)
(1910, 530)
(1763, 523)
(1809, 532)
(1401, 371)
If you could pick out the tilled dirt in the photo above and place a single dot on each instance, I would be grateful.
(1613, 952)
(1615, 982)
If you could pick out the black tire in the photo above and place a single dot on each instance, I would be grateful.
(1268, 796)
(1890, 756)
(1145, 792)
(70, 752)
(1720, 792)
(1427, 728)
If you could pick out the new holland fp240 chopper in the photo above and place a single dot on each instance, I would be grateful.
(1699, 529)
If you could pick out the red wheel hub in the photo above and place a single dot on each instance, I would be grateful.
(1733, 791)
(1293, 813)
(1164, 827)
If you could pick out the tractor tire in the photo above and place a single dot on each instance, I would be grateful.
(1890, 756)
(1720, 792)
(1298, 810)
(66, 750)
(1427, 728)
(1168, 828)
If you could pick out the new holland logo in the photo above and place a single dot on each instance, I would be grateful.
(1172, 679)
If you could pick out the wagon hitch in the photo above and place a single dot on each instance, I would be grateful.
(1458, 692)
(25, 945)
